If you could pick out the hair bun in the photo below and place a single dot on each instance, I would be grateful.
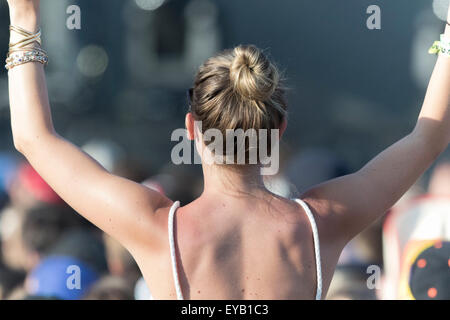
(252, 75)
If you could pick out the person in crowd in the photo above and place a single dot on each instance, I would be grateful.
(429, 275)
(60, 277)
(120, 262)
(72, 265)
(9, 280)
(355, 267)
(439, 184)
(416, 238)
(8, 164)
(44, 226)
(236, 240)
(110, 288)
(350, 283)
(14, 252)
(85, 245)
(27, 189)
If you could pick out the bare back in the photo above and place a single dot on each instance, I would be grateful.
(240, 250)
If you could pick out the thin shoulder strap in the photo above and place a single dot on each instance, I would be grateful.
(173, 254)
(316, 247)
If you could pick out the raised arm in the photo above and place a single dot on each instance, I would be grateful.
(347, 205)
(120, 207)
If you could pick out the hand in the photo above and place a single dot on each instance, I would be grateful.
(25, 13)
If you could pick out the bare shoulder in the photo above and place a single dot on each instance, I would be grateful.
(323, 213)
(157, 227)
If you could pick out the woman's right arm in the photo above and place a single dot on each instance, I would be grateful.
(347, 205)
(124, 209)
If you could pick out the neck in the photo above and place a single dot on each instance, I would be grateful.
(232, 181)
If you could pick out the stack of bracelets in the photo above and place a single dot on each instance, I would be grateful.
(26, 50)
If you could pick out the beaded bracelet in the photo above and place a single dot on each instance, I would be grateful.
(18, 58)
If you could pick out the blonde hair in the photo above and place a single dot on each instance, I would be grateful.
(239, 89)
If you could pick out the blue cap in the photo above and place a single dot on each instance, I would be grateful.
(61, 277)
(8, 166)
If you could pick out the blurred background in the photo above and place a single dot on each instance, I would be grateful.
(117, 88)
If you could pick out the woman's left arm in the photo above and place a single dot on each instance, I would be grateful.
(120, 207)
(347, 205)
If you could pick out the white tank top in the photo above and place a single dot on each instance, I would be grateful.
(173, 256)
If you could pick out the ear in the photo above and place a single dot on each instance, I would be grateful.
(189, 123)
(283, 126)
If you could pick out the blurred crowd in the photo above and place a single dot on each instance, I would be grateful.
(48, 251)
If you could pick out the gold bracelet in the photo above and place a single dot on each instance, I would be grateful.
(28, 37)
(26, 41)
(25, 50)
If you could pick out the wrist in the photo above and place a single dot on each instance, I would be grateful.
(26, 17)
